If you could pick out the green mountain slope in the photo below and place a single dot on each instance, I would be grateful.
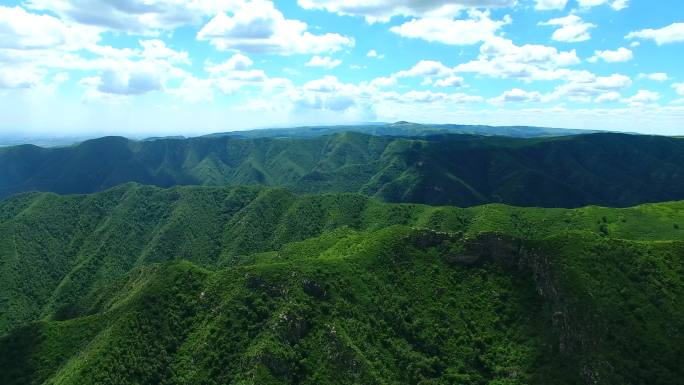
(209, 285)
(462, 170)
(407, 129)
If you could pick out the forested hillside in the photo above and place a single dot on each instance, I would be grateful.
(462, 170)
(250, 285)
(407, 129)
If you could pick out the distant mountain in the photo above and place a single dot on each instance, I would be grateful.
(253, 286)
(406, 129)
(40, 140)
(463, 170)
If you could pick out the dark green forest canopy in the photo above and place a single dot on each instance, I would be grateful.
(464, 170)
(407, 129)
(253, 285)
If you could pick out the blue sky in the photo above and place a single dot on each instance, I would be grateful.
(138, 68)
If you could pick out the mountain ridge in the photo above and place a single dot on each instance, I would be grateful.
(253, 285)
(464, 170)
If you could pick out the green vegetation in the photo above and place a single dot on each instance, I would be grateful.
(252, 285)
(407, 129)
(603, 169)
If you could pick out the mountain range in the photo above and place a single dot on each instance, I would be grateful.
(250, 285)
(464, 170)
(344, 256)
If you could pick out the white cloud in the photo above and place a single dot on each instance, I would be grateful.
(679, 88)
(258, 27)
(673, 33)
(430, 97)
(383, 10)
(130, 81)
(237, 72)
(461, 98)
(329, 94)
(608, 97)
(328, 83)
(148, 17)
(32, 45)
(478, 27)
(583, 86)
(194, 90)
(517, 95)
(642, 97)
(619, 5)
(20, 77)
(657, 76)
(545, 5)
(123, 72)
(20, 29)
(591, 3)
(571, 29)
(425, 68)
(383, 82)
(324, 62)
(501, 58)
(451, 81)
(375, 54)
(156, 49)
(237, 62)
(620, 55)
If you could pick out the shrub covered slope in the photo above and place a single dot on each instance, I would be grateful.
(247, 285)
(462, 170)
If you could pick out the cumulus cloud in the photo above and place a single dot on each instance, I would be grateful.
(323, 62)
(194, 90)
(656, 76)
(673, 33)
(237, 62)
(259, 27)
(155, 49)
(517, 95)
(679, 88)
(124, 72)
(129, 81)
(642, 97)
(330, 94)
(580, 86)
(33, 45)
(134, 17)
(23, 30)
(545, 5)
(620, 55)
(425, 68)
(476, 28)
(383, 10)
(501, 58)
(373, 53)
(451, 81)
(237, 72)
(20, 77)
(571, 29)
(430, 97)
(608, 97)
(583, 86)
(382, 82)
(617, 5)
